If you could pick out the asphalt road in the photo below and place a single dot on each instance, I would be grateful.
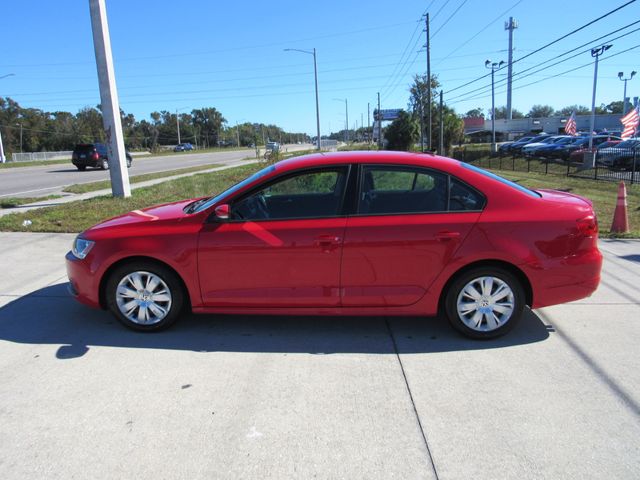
(301, 397)
(50, 179)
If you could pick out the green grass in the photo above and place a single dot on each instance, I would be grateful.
(13, 202)
(101, 185)
(603, 194)
(32, 164)
(77, 216)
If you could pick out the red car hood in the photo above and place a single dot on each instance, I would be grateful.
(168, 211)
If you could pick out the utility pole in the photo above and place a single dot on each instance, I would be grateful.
(493, 66)
(428, 46)
(379, 123)
(346, 111)
(511, 25)
(624, 95)
(178, 125)
(21, 135)
(421, 118)
(595, 52)
(441, 144)
(109, 100)
(2, 157)
(369, 123)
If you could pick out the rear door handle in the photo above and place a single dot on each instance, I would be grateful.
(447, 235)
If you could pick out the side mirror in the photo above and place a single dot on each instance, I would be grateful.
(222, 212)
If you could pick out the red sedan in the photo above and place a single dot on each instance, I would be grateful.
(359, 233)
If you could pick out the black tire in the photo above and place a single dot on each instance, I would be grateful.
(128, 163)
(104, 165)
(485, 330)
(170, 280)
(82, 168)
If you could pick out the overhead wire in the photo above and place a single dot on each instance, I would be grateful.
(547, 45)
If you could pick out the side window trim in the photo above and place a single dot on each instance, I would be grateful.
(360, 172)
(343, 168)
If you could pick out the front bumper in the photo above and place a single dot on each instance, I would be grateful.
(83, 284)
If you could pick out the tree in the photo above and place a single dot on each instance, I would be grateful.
(579, 109)
(208, 123)
(453, 125)
(541, 111)
(501, 112)
(474, 113)
(403, 132)
(614, 107)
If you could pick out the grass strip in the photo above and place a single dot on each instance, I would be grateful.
(77, 216)
(13, 202)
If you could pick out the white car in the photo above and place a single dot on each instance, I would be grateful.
(530, 148)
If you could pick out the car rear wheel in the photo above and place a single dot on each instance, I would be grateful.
(145, 296)
(104, 165)
(485, 302)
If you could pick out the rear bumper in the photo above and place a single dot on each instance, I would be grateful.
(566, 279)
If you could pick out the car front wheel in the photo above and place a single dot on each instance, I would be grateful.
(485, 303)
(145, 296)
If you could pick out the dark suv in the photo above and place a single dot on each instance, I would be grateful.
(93, 155)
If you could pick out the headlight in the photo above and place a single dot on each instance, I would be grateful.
(81, 247)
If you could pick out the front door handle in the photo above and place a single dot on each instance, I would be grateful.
(446, 235)
(327, 242)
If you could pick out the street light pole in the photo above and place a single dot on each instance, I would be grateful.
(624, 96)
(315, 74)
(493, 66)
(595, 52)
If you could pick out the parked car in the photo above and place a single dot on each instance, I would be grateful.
(530, 149)
(576, 156)
(93, 155)
(182, 147)
(506, 148)
(273, 146)
(350, 233)
(550, 150)
(580, 143)
(516, 148)
(622, 156)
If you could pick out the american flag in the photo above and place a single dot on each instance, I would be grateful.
(630, 123)
(570, 126)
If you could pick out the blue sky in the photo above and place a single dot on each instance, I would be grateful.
(196, 53)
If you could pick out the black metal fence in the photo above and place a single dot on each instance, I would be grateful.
(611, 164)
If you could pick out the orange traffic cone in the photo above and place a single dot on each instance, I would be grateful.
(620, 219)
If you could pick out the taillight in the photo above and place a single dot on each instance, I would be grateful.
(588, 226)
(95, 156)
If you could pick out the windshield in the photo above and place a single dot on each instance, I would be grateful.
(501, 180)
(235, 188)
(627, 144)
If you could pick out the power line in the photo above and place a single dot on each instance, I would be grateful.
(518, 74)
(482, 95)
(481, 30)
(449, 19)
(548, 44)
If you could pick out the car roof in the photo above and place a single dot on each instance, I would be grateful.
(382, 157)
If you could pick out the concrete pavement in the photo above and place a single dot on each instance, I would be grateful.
(299, 397)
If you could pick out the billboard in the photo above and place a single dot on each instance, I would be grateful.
(388, 114)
